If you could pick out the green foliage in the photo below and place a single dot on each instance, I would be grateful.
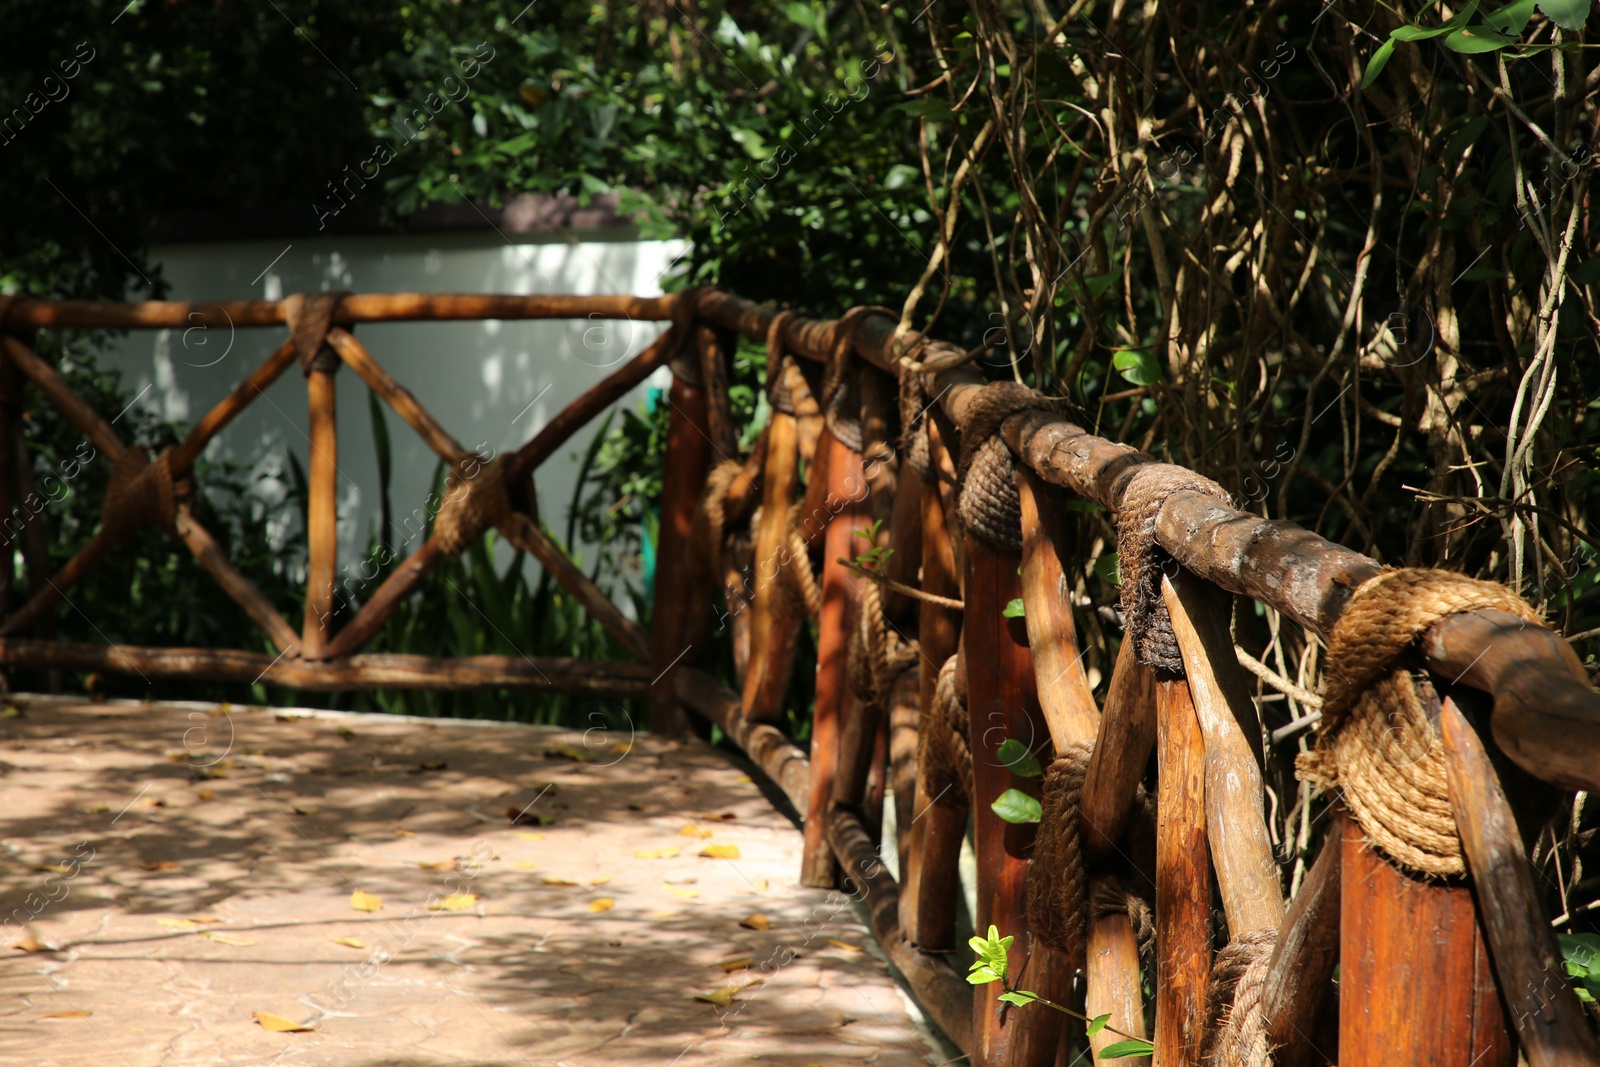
(1581, 953)
(1014, 609)
(1016, 758)
(1015, 806)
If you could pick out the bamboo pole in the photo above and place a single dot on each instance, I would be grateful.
(322, 513)
(397, 396)
(674, 618)
(601, 679)
(1183, 880)
(358, 307)
(227, 409)
(847, 489)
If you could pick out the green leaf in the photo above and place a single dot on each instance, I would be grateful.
(1379, 58)
(1119, 1049)
(1475, 39)
(1013, 610)
(1581, 953)
(1140, 368)
(1423, 33)
(1098, 1023)
(1465, 137)
(1099, 283)
(1017, 759)
(1015, 806)
(1568, 14)
(1108, 568)
(1512, 18)
(1018, 997)
(982, 975)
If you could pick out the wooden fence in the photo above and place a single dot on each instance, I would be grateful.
(947, 645)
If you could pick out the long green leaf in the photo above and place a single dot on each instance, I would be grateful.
(1376, 64)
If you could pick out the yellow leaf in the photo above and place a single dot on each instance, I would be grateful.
(757, 922)
(178, 924)
(525, 865)
(551, 879)
(656, 853)
(204, 919)
(361, 901)
(442, 865)
(53, 868)
(744, 778)
(67, 1015)
(757, 888)
(602, 880)
(226, 940)
(738, 964)
(455, 902)
(721, 997)
(32, 944)
(205, 794)
(349, 942)
(680, 891)
(847, 946)
(398, 832)
(278, 1024)
(694, 831)
(603, 904)
(527, 836)
(720, 852)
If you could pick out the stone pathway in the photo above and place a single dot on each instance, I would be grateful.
(172, 870)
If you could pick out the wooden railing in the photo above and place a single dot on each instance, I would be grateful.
(926, 668)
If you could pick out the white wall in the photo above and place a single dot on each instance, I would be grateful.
(488, 383)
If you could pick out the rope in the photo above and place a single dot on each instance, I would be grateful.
(914, 418)
(707, 531)
(310, 316)
(796, 580)
(140, 493)
(877, 653)
(1058, 910)
(1111, 898)
(780, 390)
(1238, 982)
(989, 506)
(1376, 741)
(475, 501)
(841, 393)
(944, 756)
(1142, 559)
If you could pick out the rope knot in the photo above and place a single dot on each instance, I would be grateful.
(140, 493)
(877, 653)
(310, 317)
(841, 392)
(989, 506)
(944, 756)
(1058, 902)
(1376, 741)
(1142, 559)
(1238, 982)
(476, 500)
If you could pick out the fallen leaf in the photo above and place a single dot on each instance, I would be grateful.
(205, 794)
(53, 868)
(739, 964)
(744, 778)
(847, 946)
(32, 944)
(603, 904)
(602, 880)
(178, 924)
(399, 832)
(524, 817)
(527, 835)
(727, 815)
(308, 809)
(226, 940)
(159, 865)
(680, 890)
(67, 1015)
(551, 879)
(721, 997)
(361, 901)
(694, 831)
(205, 919)
(757, 922)
(571, 752)
(99, 809)
(277, 1024)
(757, 888)
(349, 942)
(346, 733)
(635, 807)
(720, 852)
(455, 902)
(525, 865)
(656, 853)
(442, 865)
(156, 802)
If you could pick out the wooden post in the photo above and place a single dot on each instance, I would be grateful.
(1415, 984)
(1127, 734)
(1300, 973)
(1111, 979)
(674, 609)
(1002, 703)
(322, 511)
(847, 491)
(772, 646)
(715, 351)
(12, 452)
(1183, 879)
(932, 879)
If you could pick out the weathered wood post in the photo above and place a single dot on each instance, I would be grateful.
(675, 609)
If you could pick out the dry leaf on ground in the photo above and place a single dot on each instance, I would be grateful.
(847, 946)
(720, 852)
(551, 879)
(757, 922)
(32, 944)
(277, 1024)
(362, 901)
(455, 902)
(226, 940)
(694, 831)
(680, 891)
(656, 853)
(178, 924)
(602, 904)
(349, 942)
(67, 1015)
(739, 964)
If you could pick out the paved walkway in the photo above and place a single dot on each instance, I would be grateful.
(171, 871)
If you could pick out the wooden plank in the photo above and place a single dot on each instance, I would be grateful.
(1241, 849)
(322, 514)
(1408, 957)
(1003, 704)
(772, 640)
(626, 681)
(1549, 1020)
(397, 396)
(673, 614)
(357, 307)
(228, 408)
(1183, 880)
(239, 588)
(1300, 973)
(1121, 753)
(847, 490)
(1111, 980)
